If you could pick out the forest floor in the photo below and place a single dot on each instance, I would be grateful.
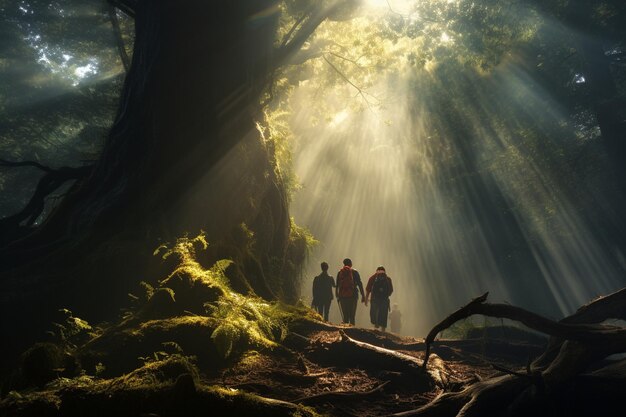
(190, 346)
(312, 372)
(318, 369)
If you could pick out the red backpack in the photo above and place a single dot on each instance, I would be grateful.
(345, 283)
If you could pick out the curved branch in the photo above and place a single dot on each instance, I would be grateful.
(307, 28)
(51, 181)
(577, 332)
(339, 395)
(11, 164)
(118, 38)
(127, 6)
(449, 321)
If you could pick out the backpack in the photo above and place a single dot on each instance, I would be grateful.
(345, 283)
(380, 287)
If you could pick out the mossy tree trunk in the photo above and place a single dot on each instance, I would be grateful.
(183, 155)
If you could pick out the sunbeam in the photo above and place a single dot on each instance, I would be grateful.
(458, 183)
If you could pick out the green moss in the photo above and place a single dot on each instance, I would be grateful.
(301, 236)
(150, 362)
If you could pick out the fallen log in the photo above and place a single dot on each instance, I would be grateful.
(353, 353)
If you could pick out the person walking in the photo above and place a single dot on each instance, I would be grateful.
(395, 319)
(347, 291)
(323, 285)
(380, 287)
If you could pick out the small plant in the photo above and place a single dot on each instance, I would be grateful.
(72, 331)
(247, 320)
(100, 368)
(243, 320)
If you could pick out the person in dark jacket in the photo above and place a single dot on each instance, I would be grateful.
(323, 285)
(380, 287)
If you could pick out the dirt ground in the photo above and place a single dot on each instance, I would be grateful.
(313, 377)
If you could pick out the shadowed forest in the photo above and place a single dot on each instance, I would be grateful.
(173, 173)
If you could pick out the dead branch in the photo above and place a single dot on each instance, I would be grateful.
(614, 336)
(15, 164)
(449, 321)
(121, 48)
(339, 395)
(127, 6)
(51, 181)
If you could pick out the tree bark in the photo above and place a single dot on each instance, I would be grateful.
(189, 98)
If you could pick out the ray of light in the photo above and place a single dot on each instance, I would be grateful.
(448, 188)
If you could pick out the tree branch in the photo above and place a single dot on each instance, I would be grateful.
(11, 164)
(51, 181)
(360, 91)
(577, 332)
(127, 6)
(307, 28)
(118, 38)
(339, 395)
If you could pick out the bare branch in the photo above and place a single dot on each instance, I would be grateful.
(585, 333)
(339, 395)
(11, 164)
(127, 6)
(118, 38)
(360, 91)
(51, 181)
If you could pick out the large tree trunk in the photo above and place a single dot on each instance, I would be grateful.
(186, 115)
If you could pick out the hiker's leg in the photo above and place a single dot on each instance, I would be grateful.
(326, 310)
(318, 308)
(345, 310)
(354, 304)
(383, 312)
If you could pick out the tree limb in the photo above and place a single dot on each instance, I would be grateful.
(579, 332)
(11, 164)
(51, 181)
(127, 6)
(118, 38)
(339, 395)
(307, 28)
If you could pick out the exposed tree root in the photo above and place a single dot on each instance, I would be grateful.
(559, 374)
(339, 395)
(353, 353)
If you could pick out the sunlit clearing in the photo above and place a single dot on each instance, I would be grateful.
(453, 185)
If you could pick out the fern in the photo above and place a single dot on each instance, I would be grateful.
(244, 320)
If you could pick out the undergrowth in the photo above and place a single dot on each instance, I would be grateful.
(244, 320)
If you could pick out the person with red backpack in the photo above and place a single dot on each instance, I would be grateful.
(380, 287)
(347, 291)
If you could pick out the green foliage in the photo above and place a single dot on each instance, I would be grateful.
(71, 331)
(301, 236)
(185, 250)
(278, 137)
(245, 320)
